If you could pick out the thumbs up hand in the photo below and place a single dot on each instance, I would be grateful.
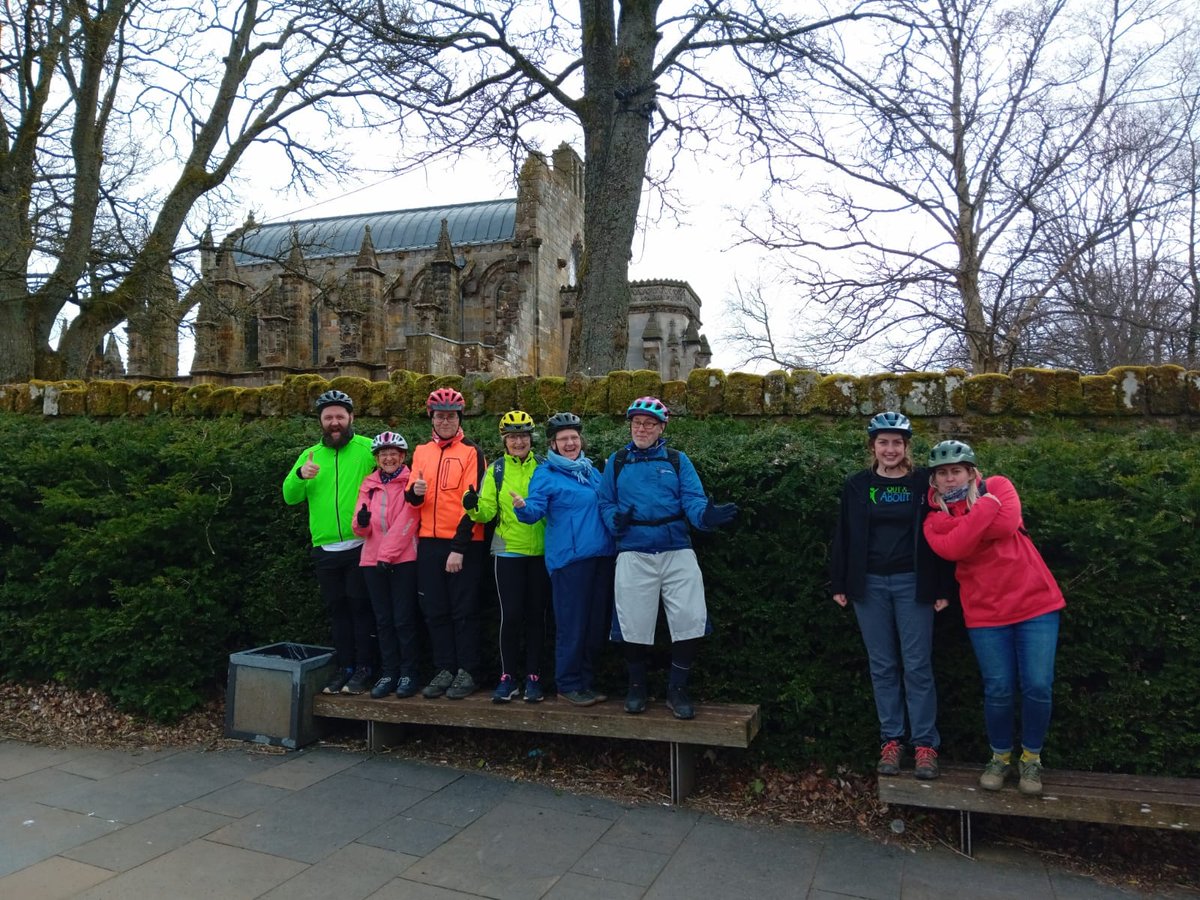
(470, 499)
(310, 468)
(420, 486)
(364, 517)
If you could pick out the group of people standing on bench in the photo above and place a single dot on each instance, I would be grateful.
(908, 540)
(398, 548)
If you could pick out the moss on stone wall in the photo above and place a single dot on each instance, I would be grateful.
(543, 397)
(706, 391)
(840, 395)
(499, 396)
(107, 398)
(743, 394)
(802, 391)
(991, 395)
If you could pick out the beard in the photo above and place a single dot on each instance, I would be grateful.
(336, 438)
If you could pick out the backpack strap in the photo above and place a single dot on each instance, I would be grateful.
(619, 463)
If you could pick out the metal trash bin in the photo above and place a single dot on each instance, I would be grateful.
(269, 698)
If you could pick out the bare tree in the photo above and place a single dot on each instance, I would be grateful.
(942, 137)
(466, 75)
(117, 117)
(751, 331)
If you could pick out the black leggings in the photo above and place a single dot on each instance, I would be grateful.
(523, 587)
(345, 594)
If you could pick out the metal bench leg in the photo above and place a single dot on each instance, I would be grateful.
(381, 735)
(964, 832)
(683, 771)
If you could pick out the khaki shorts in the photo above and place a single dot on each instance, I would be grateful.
(642, 577)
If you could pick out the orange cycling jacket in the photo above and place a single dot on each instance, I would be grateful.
(449, 468)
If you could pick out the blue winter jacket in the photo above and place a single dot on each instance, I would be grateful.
(572, 513)
(663, 503)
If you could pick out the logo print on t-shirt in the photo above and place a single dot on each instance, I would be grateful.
(893, 493)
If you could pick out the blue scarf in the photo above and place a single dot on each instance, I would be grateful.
(385, 477)
(580, 469)
(959, 493)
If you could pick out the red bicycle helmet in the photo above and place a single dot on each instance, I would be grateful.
(445, 399)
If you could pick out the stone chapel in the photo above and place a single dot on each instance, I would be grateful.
(474, 287)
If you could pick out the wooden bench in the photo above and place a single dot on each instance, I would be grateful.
(715, 725)
(1140, 800)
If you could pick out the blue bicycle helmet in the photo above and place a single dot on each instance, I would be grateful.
(949, 453)
(648, 406)
(889, 421)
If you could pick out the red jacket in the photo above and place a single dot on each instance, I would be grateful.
(391, 535)
(1002, 578)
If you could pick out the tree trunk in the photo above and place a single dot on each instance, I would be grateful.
(619, 105)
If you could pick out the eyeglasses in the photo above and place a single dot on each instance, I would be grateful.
(445, 416)
(645, 426)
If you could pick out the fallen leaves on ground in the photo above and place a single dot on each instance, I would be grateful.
(730, 784)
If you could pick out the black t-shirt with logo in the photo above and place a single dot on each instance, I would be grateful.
(891, 516)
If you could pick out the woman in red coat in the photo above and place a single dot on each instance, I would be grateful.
(1010, 604)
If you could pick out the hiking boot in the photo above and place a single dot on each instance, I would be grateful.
(462, 686)
(635, 699)
(383, 687)
(994, 774)
(506, 689)
(579, 698)
(680, 703)
(927, 764)
(406, 687)
(337, 681)
(533, 689)
(889, 758)
(1030, 783)
(358, 681)
(441, 681)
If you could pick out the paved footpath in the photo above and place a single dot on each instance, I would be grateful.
(81, 822)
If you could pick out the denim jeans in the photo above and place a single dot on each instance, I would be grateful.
(898, 634)
(1015, 656)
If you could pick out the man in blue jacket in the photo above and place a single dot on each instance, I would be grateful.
(650, 498)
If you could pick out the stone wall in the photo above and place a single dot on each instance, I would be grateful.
(958, 402)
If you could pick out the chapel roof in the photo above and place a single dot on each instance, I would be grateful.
(484, 222)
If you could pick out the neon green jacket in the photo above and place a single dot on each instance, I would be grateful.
(331, 495)
(511, 536)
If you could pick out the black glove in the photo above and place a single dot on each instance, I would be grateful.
(718, 515)
(364, 517)
(471, 498)
(621, 521)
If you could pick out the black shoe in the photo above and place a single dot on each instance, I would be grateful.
(579, 698)
(680, 703)
(358, 681)
(383, 687)
(635, 700)
(337, 681)
(406, 687)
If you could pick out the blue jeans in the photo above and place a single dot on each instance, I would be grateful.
(898, 634)
(1015, 656)
(583, 607)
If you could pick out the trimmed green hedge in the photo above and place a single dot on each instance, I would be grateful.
(136, 554)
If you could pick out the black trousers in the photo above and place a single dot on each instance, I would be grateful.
(345, 594)
(523, 587)
(450, 603)
(393, 589)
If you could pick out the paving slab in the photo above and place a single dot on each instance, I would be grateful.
(624, 864)
(659, 829)
(352, 872)
(555, 798)
(17, 759)
(158, 786)
(201, 870)
(401, 889)
(739, 862)
(39, 786)
(859, 867)
(404, 834)
(97, 764)
(306, 767)
(309, 825)
(52, 879)
(136, 844)
(239, 799)
(30, 833)
(939, 873)
(480, 860)
(574, 886)
(463, 801)
(397, 770)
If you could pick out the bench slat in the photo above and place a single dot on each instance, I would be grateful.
(715, 725)
(1074, 796)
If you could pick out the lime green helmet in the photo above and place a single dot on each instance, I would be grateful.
(516, 422)
(948, 453)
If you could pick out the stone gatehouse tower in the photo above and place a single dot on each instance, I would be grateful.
(474, 287)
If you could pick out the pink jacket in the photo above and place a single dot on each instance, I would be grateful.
(1002, 578)
(391, 536)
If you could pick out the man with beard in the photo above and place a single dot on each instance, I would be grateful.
(327, 476)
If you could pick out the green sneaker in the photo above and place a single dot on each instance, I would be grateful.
(441, 681)
(1031, 777)
(994, 774)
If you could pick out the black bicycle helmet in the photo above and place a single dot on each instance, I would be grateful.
(562, 420)
(335, 398)
(889, 421)
(949, 453)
